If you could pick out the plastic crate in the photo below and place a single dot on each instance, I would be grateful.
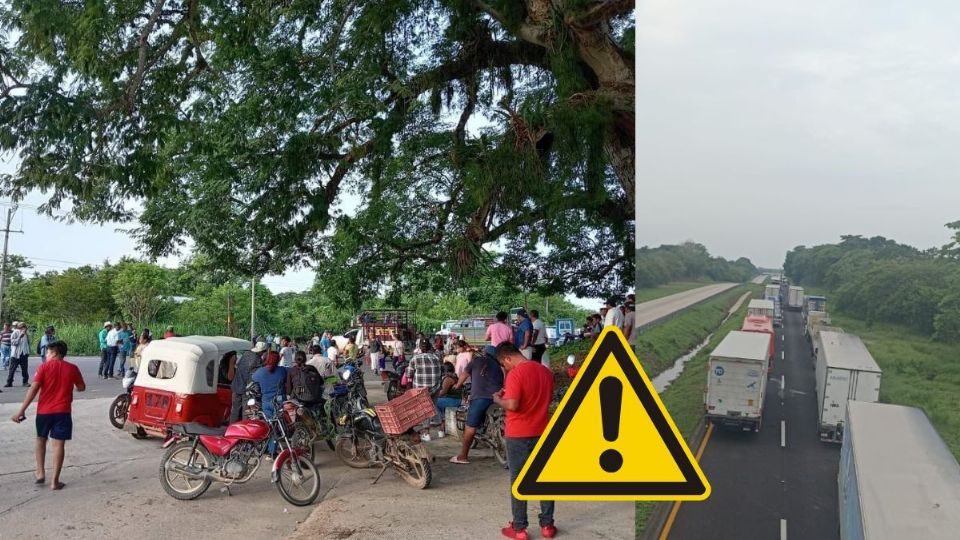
(409, 409)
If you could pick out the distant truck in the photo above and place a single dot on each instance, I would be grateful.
(777, 313)
(771, 292)
(737, 380)
(817, 303)
(762, 308)
(795, 298)
(845, 372)
(897, 477)
(815, 319)
(763, 325)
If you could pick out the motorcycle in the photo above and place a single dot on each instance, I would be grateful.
(391, 380)
(121, 404)
(312, 424)
(491, 434)
(363, 444)
(197, 455)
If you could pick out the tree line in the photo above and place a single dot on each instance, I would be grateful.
(689, 261)
(880, 280)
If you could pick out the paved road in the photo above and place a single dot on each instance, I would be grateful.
(759, 279)
(113, 492)
(96, 387)
(759, 486)
(650, 312)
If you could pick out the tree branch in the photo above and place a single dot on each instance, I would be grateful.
(604, 11)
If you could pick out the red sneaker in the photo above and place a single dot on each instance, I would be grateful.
(548, 531)
(508, 532)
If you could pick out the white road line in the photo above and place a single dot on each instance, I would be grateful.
(783, 382)
(783, 337)
(783, 529)
(783, 435)
(781, 355)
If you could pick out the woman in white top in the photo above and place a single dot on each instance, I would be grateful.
(333, 352)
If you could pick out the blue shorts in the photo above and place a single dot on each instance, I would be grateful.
(477, 412)
(55, 426)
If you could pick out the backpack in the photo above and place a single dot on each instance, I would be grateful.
(308, 387)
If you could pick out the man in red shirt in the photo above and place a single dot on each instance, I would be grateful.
(526, 397)
(54, 380)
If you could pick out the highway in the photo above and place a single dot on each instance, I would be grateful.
(759, 279)
(779, 483)
(652, 311)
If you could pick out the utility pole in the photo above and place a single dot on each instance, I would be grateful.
(3, 264)
(253, 307)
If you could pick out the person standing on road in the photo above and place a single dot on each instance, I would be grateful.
(376, 352)
(104, 349)
(113, 349)
(248, 363)
(539, 339)
(55, 381)
(273, 381)
(325, 341)
(613, 316)
(350, 349)
(522, 337)
(426, 371)
(287, 351)
(48, 337)
(486, 379)
(19, 352)
(5, 346)
(123, 342)
(526, 398)
(629, 320)
(499, 331)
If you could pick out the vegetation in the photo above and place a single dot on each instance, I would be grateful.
(688, 262)
(660, 346)
(78, 300)
(249, 130)
(659, 291)
(684, 397)
(879, 280)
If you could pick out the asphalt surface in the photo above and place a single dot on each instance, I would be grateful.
(760, 488)
(654, 310)
(96, 387)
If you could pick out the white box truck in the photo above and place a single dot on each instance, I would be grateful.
(898, 479)
(795, 298)
(771, 292)
(737, 380)
(762, 308)
(845, 372)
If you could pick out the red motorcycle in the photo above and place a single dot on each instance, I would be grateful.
(198, 455)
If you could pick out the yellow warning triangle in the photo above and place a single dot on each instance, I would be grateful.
(611, 438)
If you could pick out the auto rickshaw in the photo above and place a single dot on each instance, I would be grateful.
(182, 379)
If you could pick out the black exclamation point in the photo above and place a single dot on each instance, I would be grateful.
(611, 392)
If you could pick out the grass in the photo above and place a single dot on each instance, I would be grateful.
(659, 346)
(684, 397)
(82, 339)
(644, 295)
(917, 372)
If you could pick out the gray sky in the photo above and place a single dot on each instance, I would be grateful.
(766, 125)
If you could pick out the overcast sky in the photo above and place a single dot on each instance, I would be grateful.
(766, 125)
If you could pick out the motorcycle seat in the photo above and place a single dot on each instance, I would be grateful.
(194, 428)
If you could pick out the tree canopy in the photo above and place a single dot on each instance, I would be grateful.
(688, 261)
(244, 129)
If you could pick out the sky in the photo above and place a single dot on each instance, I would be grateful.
(766, 125)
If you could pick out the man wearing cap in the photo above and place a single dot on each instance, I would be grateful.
(248, 363)
(19, 353)
(104, 349)
(486, 378)
(523, 334)
(613, 317)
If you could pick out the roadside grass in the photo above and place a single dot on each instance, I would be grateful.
(645, 295)
(658, 347)
(684, 397)
(917, 371)
(82, 339)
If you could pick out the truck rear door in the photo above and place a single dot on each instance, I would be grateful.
(735, 388)
(836, 391)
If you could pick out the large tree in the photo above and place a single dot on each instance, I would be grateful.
(245, 127)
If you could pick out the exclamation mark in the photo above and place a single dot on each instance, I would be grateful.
(611, 393)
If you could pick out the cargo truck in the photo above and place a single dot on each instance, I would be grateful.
(845, 372)
(763, 325)
(771, 292)
(761, 308)
(795, 298)
(737, 381)
(777, 314)
(817, 303)
(815, 319)
(897, 478)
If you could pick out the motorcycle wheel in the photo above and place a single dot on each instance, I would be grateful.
(355, 454)
(330, 444)
(302, 487)
(177, 485)
(498, 438)
(415, 470)
(393, 390)
(118, 410)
